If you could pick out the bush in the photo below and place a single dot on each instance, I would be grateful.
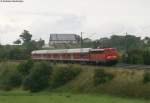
(101, 77)
(146, 57)
(146, 78)
(25, 67)
(16, 53)
(62, 74)
(38, 77)
(10, 79)
(135, 56)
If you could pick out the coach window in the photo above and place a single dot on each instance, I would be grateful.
(44, 55)
(75, 55)
(97, 52)
(55, 55)
(68, 55)
(49, 55)
(63, 55)
(37, 55)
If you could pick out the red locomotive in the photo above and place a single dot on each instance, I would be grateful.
(82, 55)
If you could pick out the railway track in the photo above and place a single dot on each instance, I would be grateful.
(124, 66)
(133, 66)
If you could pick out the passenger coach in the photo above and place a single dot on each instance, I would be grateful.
(82, 55)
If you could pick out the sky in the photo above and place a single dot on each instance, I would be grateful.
(95, 18)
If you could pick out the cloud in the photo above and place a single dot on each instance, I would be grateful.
(7, 33)
(5, 29)
(57, 24)
(101, 17)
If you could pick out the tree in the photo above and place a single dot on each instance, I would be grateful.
(28, 43)
(132, 42)
(38, 77)
(25, 67)
(17, 41)
(146, 41)
(135, 56)
(16, 53)
(96, 44)
(104, 42)
(40, 43)
(87, 40)
(26, 37)
(78, 38)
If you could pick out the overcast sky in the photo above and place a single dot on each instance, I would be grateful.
(96, 18)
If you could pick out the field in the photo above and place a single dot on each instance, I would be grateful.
(24, 97)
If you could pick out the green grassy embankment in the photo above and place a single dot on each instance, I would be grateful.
(126, 85)
(126, 82)
(25, 97)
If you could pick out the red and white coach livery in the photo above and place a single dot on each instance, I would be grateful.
(84, 55)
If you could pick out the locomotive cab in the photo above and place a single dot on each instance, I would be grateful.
(111, 53)
(106, 56)
(111, 56)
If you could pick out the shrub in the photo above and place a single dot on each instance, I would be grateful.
(38, 77)
(146, 57)
(62, 74)
(25, 67)
(146, 78)
(101, 77)
(10, 79)
(135, 56)
(16, 53)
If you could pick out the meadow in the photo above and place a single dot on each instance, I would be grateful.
(59, 97)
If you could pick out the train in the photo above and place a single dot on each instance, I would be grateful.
(102, 56)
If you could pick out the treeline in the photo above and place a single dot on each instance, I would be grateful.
(121, 43)
(137, 56)
(22, 47)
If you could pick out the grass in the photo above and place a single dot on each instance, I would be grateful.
(44, 97)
